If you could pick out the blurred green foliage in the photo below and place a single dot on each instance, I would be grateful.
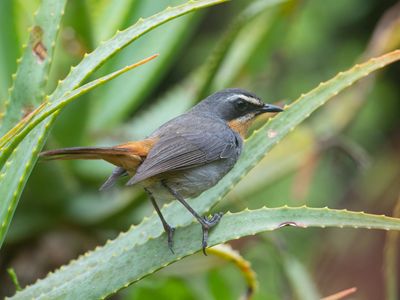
(346, 156)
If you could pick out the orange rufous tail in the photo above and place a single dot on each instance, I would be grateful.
(127, 156)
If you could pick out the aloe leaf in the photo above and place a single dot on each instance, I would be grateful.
(37, 116)
(108, 110)
(9, 47)
(119, 264)
(18, 167)
(32, 74)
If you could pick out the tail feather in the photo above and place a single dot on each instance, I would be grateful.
(120, 157)
(81, 153)
(127, 157)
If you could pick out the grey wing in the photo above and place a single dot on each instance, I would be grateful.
(186, 150)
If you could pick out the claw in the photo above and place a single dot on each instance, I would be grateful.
(215, 219)
(212, 221)
(206, 225)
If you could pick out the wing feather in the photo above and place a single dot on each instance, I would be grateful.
(187, 148)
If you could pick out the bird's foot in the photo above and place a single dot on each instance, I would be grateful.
(206, 224)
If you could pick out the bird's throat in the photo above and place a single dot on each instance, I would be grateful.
(241, 125)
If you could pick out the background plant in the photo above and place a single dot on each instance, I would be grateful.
(344, 156)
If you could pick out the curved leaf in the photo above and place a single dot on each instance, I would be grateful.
(226, 252)
(119, 264)
(14, 137)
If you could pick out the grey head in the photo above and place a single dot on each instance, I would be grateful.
(233, 103)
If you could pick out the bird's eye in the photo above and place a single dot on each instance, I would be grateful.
(241, 105)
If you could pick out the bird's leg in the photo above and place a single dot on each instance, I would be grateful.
(205, 222)
(168, 228)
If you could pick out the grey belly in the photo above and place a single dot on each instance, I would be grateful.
(191, 182)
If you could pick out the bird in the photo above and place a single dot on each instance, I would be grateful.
(183, 157)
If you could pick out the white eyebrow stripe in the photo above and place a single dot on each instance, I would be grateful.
(252, 100)
(255, 101)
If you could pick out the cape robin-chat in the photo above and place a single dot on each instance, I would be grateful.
(185, 156)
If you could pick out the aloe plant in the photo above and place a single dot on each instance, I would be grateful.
(28, 116)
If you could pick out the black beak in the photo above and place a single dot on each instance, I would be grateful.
(270, 108)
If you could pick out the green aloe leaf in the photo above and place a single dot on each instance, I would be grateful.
(16, 170)
(30, 81)
(9, 47)
(122, 265)
(28, 89)
(108, 110)
(27, 124)
(119, 264)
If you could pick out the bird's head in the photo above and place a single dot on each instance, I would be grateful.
(236, 106)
